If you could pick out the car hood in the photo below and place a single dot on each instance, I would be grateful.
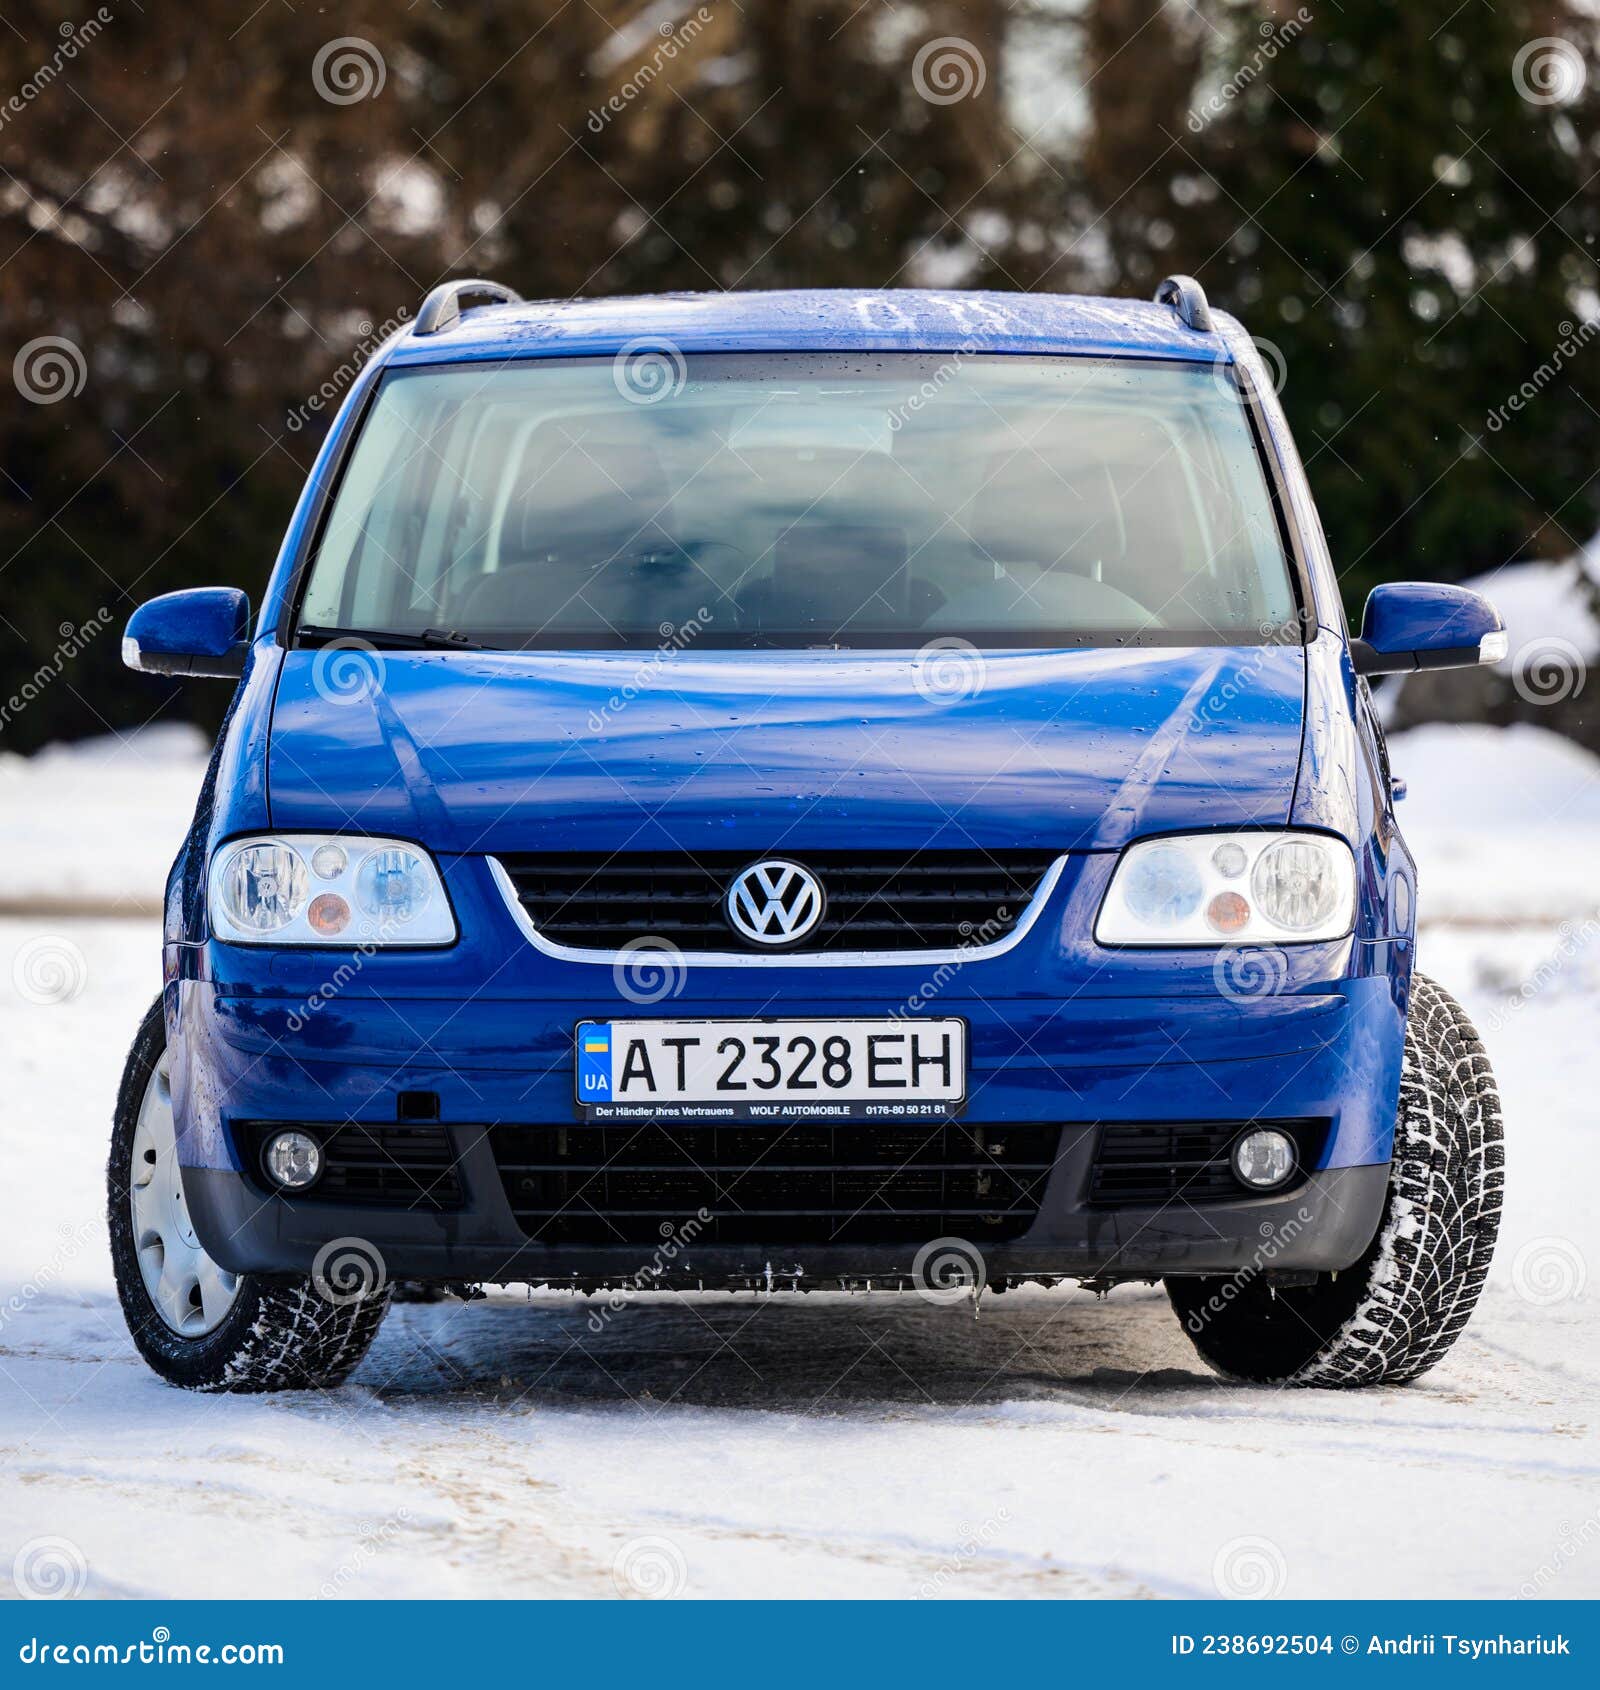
(1059, 750)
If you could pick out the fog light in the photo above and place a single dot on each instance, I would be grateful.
(1263, 1159)
(294, 1159)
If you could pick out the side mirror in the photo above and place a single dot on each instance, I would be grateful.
(1425, 625)
(202, 631)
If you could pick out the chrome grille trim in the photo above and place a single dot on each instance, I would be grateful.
(789, 959)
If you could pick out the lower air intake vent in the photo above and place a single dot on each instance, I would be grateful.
(839, 1183)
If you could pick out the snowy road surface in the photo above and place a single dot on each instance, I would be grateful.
(1056, 1446)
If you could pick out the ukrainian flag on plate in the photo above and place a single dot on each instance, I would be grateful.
(594, 1062)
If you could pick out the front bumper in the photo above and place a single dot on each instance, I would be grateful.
(1323, 1224)
(1330, 1051)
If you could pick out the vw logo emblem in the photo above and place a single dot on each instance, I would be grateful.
(775, 902)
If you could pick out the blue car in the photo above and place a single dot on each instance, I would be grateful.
(802, 790)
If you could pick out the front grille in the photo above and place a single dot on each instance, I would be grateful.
(1141, 1165)
(398, 1167)
(834, 1183)
(876, 900)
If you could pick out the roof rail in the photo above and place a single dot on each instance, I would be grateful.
(1188, 299)
(442, 308)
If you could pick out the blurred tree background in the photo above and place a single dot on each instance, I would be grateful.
(209, 214)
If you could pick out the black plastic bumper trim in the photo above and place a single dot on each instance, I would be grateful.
(1324, 1224)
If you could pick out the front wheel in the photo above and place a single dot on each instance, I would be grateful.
(1396, 1312)
(196, 1324)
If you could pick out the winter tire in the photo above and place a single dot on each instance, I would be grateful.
(196, 1324)
(1400, 1308)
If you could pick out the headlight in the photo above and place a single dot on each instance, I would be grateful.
(1228, 889)
(309, 889)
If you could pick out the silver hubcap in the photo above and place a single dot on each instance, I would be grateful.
(192, 1294)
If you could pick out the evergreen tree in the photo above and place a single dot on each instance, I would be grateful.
(1402, 199)
(210, 216)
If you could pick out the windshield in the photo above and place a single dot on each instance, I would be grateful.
(815, 499)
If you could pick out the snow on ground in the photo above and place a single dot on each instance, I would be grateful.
(1545, 604)
(1057, 1445)
(96, 824)
(1504, 822)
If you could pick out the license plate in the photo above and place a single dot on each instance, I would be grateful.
(771, 1070)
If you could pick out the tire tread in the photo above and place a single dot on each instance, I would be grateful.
(281, 1335)
(1399, 1309)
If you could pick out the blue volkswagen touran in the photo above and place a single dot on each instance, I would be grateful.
(800, 790)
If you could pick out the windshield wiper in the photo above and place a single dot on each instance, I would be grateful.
(389, 639)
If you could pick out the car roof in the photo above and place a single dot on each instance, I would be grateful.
(816, 319)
